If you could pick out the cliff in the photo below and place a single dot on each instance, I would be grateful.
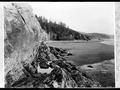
(29, 62)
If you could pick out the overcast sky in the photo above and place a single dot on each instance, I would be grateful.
(80, 16)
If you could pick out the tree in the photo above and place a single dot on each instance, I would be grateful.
(60, 31)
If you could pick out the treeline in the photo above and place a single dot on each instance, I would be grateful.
(99, 36)
(60, 31)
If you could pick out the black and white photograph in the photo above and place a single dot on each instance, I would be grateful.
(59, 44)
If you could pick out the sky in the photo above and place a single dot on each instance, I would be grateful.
(88, 17)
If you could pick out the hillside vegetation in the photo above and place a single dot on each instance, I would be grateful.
(99, 36)
(60, 31)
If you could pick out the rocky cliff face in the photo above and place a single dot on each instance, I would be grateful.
(22, 32)
(21, 27)
(29, 62)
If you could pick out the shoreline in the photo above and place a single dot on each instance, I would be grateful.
(86, 51)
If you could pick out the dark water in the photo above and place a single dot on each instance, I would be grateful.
(87, 53)
(91, 58)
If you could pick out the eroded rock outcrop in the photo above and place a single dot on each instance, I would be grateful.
(29, 62)
(22, 32)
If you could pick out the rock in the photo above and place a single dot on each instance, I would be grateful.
(55, 84)
(90, 66)
(42, 70)
(69, 54)
(29, 62)
(58, 52)
(22, 32)
(43, 64)
(21, 27)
